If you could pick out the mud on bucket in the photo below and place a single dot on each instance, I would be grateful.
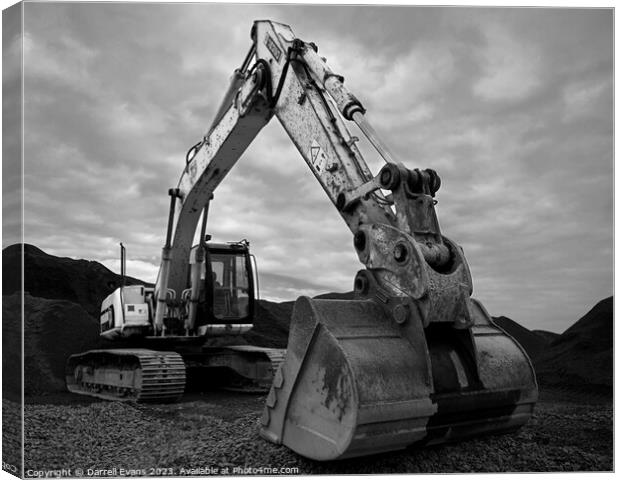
(350, 385)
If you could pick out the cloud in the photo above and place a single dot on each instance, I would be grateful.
(135, 268)
(513, 108)
(12, 205)
(582, 98)
(511, 66)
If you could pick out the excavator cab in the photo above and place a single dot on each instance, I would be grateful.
(227, 285)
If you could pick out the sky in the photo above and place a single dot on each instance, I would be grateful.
(513, 107)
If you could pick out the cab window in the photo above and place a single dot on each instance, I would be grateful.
(230, 286)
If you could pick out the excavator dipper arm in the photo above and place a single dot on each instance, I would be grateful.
(413, 359)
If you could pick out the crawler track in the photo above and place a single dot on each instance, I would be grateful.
(127, 374)
(276, 355)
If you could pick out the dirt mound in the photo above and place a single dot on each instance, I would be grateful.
(11, 347)
(79, 281)
(582, 356)
(548, 336)
(532, 343)
(594, 329)
(53, 330)
(336, 296)
(271, 324)
(61, 307)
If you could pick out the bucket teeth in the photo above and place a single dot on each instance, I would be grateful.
(271, 398)
(278, 378)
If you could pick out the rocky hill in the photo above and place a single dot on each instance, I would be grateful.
(83, 282)
(583, 355)
(548, 336)
(53, 329)
(533, 343)
(271, 324)
(62, 297)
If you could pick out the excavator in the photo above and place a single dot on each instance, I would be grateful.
(411, 360)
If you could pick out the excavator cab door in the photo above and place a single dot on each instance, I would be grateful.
(230, 285)
(227, 286)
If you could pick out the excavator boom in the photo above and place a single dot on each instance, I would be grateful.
(281, 82)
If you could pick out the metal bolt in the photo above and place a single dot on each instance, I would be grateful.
(361, 284)
(341, 200)
(389, 177)
(359, 240)
(401, 313)
(400, 252)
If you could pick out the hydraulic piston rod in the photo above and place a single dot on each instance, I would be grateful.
(166, 257)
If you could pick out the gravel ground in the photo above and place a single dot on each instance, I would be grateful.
(569, 432)
(11, 433)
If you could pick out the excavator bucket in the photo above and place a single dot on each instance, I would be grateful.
(356, 382)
